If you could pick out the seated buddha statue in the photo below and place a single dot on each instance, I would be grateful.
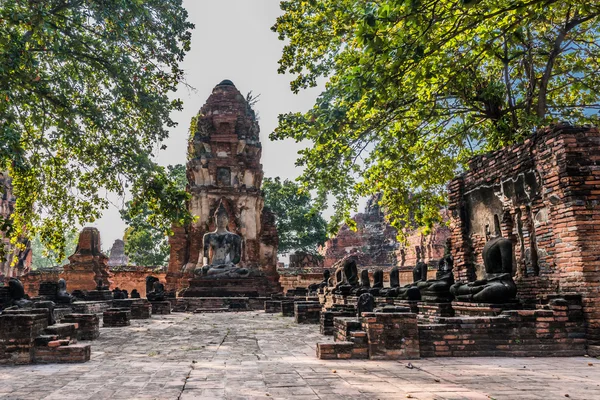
(394, 288)
(364, 285)
(411, 291)
(377, 282)
(346, 277)
(222, 250)
(498, 285)
(438, 290)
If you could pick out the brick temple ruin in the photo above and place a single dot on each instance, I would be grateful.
(224, 168)
(517, 273)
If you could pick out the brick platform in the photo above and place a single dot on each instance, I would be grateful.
(307, 312)
(465, 309)
(17, 336)
(72, 353)
(377, 336)
(391, 336)
(89, 325)
(116, 317)
(517, 333)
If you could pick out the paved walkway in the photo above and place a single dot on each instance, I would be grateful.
(265, 356)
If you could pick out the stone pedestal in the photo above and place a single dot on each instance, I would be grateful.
(161, 307)
(272, 306)
(466, 309)
(116, 317)
(287, 308)
(141, 310)
(307, 312)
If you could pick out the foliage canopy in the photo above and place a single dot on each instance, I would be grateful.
(415, 88)
(147, 244)
(299, 223)
(41, 257)
(84, 102)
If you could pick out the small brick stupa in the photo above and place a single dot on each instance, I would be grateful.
(224, 168)
(88, 265)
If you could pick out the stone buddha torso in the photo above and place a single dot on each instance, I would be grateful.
(225, 248)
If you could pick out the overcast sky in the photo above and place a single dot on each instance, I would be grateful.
(232, 40)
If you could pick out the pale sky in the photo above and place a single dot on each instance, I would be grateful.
(232, 40)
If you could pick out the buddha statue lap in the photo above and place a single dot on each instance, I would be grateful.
(498, 286)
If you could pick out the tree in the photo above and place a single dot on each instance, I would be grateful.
(84, 103)
(299, 223)
(44, 258)
(147, 244)
(416, 88)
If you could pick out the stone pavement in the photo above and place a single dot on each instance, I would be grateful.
(252, 355)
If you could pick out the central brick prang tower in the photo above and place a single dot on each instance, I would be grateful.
(224, 166)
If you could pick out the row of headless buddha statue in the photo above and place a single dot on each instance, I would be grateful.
(497, 286)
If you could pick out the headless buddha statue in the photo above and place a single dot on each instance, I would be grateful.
(394, 288)
(438, 290)
(364, 285)
(411, 291)
(222, 250)
(346, 277)
(498, 285)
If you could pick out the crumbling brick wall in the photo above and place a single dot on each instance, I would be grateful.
(544, 195)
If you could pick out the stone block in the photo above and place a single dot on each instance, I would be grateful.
(116, 317)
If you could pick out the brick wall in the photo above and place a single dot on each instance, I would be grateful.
(127, 278)
(544, 195)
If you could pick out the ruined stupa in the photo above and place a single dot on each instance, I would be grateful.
(117, 255)
(224, 170)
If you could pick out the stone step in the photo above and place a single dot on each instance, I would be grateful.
(43, 340)
(63, 331)
(72, 353)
